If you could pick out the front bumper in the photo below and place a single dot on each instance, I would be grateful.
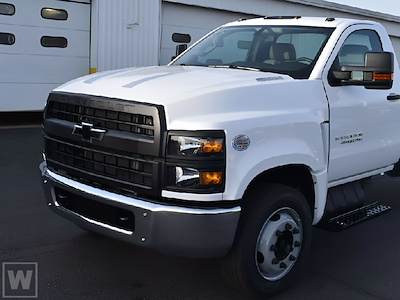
(175, 230)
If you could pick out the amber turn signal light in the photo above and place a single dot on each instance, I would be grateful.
(211, 146)
(210, 178)
(377, 76)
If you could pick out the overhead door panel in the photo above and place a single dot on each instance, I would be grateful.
(50, 45)
(31, 44)
(29, 13)
(40, 70)
(193, 20)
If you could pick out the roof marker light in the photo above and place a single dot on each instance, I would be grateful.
(282, 17)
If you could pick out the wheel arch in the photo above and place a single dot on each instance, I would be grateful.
(296, 176)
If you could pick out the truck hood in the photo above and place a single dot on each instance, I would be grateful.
(197, 97)
(166, 84)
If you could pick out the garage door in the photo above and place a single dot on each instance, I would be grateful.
(193, 20)
(43, 43)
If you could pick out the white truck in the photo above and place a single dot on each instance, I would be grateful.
(257, 132)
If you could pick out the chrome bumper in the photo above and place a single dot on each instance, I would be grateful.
(176, 230)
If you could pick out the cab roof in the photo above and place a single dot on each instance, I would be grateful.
(299, 21)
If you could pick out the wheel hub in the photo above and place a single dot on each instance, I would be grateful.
(284, 245)
(279, 244)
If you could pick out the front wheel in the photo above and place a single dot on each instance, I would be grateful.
(272, 240)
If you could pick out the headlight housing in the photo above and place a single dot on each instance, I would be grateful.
(196, 161)
(190, 146)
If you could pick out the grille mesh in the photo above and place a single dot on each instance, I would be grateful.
(107, 119)
(127, 156)
(99, 162)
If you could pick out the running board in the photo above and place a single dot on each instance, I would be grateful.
(358, 215)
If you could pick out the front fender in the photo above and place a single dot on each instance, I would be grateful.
(302, 143)
(242, 169)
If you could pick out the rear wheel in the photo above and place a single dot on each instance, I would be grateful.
(272, 240)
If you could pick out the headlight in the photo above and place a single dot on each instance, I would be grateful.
(196, 161)
(192, 146)
(193, 177)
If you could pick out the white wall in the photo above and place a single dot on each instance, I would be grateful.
(193, 20)
(128, 33)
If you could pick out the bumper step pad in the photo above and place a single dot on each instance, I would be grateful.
(358, 215)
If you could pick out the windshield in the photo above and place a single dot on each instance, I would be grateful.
(291, 50)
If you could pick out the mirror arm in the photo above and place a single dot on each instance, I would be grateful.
(342, 75)
(363, 69)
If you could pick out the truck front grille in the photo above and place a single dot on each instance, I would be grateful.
(127, 156)
(103, 118)
(125, 168)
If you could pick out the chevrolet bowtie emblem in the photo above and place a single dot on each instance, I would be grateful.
(88, 133)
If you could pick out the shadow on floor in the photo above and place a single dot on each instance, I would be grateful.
(21, 118)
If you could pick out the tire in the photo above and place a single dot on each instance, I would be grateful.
(272, 241)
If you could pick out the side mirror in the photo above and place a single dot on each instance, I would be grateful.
(179, 49)
(377, 72)
(181, 38)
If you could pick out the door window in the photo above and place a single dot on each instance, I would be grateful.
(354, 49)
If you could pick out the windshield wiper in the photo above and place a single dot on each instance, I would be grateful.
(234, 67)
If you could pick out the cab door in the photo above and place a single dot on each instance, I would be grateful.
(364, 122)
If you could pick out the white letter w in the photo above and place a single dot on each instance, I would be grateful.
(20, 278)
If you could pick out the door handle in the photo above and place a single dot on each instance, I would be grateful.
(393, 96)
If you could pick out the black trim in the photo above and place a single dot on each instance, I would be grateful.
(98, 211)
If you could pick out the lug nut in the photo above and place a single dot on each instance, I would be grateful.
(275, 261)
(260, 257)
(296, 231)
(292, 258)
(273, 248)
(288, 226)
(278, 233)
(275, 217)
(297, 244)
(283, 265)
